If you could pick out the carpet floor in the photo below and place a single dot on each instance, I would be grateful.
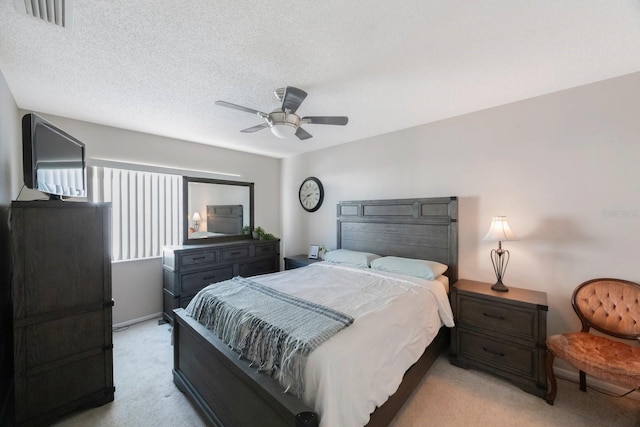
(447, 396)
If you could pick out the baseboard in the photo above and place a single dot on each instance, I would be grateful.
(138, 320)
(574, 376)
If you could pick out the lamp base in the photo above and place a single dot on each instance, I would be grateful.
(500, 287)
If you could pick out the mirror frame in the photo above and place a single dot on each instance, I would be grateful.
(185, 211)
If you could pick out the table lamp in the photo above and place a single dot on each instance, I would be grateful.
(500, 232)
(196, 220)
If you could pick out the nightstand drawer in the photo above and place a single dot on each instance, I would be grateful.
(298, 261)
(501, 318)
(500, 354)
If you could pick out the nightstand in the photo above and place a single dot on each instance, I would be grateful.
(297, 261)
(502, 333)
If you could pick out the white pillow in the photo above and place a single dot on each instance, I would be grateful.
(411, 267)
(351, 258)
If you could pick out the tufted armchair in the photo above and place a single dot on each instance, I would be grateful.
(610, 306)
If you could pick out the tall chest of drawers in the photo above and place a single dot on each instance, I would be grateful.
(187, 269)
(502, 333)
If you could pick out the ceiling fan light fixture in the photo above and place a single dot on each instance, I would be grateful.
(283, 130)
(283, 124)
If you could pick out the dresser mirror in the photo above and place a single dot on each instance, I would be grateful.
(216, 210)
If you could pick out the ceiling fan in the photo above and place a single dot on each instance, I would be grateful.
(283, 121)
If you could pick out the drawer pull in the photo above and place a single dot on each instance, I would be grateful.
(493, 317)
(198, 257)
(495, 353)
(209, 278)
(264, 249)
(236, 253)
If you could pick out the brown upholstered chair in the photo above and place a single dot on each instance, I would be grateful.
(611, 306)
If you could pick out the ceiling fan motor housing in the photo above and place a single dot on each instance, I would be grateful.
(283, 124)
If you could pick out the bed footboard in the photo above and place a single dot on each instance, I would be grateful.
(225, 389)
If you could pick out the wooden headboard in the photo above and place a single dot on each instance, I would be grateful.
(224, 219)
(424, 228)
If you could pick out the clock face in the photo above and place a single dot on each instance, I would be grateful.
(311, 194)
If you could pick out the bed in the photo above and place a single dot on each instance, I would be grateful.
(229, 392)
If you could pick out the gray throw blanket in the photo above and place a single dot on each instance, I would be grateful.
(274, 330)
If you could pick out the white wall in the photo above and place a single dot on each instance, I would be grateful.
(562, 167)
(137, 285)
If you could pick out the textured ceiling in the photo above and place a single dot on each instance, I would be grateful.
(157, 66)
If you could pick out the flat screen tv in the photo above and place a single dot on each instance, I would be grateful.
(53, 160)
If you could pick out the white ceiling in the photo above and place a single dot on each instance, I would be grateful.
(157, 66)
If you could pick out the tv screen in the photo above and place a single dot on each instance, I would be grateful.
(53, 160)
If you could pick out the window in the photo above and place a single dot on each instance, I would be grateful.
(146, 210)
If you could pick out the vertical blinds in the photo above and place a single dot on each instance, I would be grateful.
(146, 210)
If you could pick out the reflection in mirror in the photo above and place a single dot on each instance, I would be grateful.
(216, 210)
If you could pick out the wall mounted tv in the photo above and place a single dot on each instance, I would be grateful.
(53, 160)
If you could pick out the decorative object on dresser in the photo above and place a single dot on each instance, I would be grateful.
(501, 333)
(187, 269)
(205, 369)
(297, 261)
(499, 231)
(62, 320)
(610, 306)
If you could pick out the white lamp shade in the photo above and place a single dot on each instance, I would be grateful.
(283, 130)
(500, 230)
(196, 217)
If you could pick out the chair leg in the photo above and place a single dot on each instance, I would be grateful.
(553, 385)
(583, 381)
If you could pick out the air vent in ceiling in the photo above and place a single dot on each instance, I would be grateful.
(56, 12)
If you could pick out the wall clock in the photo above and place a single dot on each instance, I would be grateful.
(311, 194)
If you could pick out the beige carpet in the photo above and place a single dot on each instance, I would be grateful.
(448, 396)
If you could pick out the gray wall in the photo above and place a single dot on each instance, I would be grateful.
(563, 168)
(137, 285)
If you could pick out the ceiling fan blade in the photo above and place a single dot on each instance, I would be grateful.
(255, 128)
(241, 108)
(292, 99)
(303, 134)
(326, 120)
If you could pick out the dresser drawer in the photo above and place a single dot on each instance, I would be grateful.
(497, 317)
(258, 267)
(503, 355)
(265, 250)
(235, 253)
(196, 281)
(198, 258)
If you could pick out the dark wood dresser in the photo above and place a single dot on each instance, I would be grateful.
(189, 268)
(502, 333)
(61, 297)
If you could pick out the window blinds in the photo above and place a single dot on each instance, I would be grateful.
(146, 210)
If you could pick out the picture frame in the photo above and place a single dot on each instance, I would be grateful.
(313, 251)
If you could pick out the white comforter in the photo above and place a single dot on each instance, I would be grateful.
(357, 369)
